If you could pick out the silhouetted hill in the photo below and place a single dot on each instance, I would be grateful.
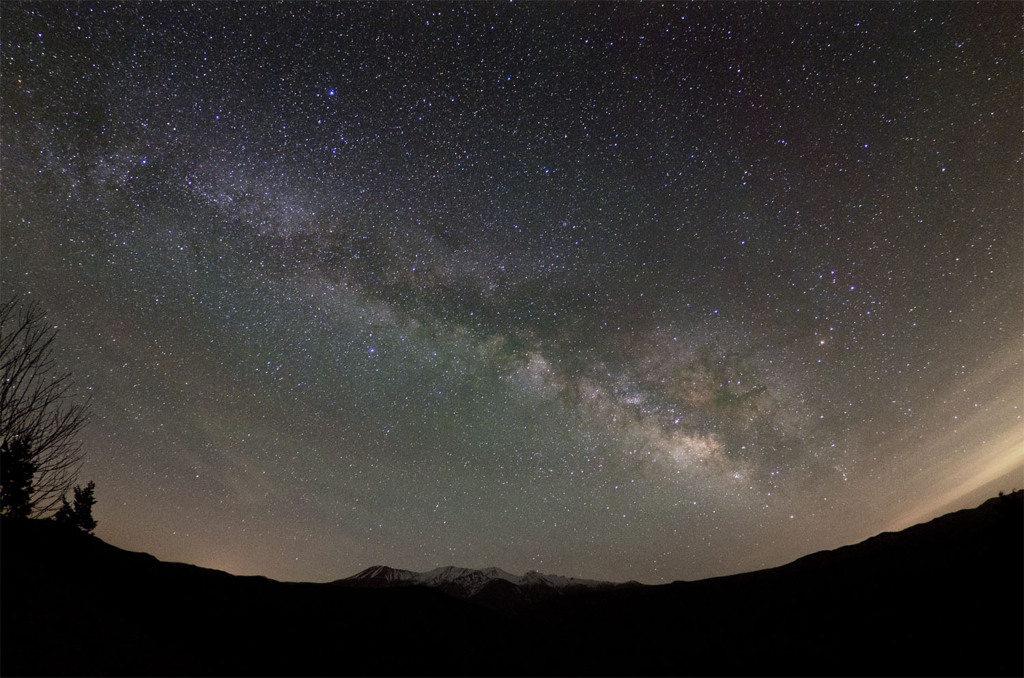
(941, 598)
(74, 605)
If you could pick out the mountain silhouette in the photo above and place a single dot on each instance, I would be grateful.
(941, 598)
(471, 584)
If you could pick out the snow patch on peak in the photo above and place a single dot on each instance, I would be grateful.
(467, 582)
(534, 578)
(462, 580)
(384, 573)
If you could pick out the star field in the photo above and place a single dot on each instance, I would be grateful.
(611, 290)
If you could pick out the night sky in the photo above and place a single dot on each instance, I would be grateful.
(611, 290)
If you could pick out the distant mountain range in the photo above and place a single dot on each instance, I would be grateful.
(941, 598)
(465, 582)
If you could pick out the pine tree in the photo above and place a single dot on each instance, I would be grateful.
(16, 473)
(79, 515)
(65, 514)
(84, 501)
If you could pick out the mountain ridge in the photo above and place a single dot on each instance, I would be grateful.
(941, 598)
(468, 582)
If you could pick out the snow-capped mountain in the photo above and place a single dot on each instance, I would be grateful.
(467, 583)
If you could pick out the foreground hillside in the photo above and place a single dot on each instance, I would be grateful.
(941, 598)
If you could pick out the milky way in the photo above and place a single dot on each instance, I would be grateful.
(610, 290)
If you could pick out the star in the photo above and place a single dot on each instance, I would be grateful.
(543, 284)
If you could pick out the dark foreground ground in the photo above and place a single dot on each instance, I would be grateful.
(942, 598)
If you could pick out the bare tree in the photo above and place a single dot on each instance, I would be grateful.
(39, 410)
